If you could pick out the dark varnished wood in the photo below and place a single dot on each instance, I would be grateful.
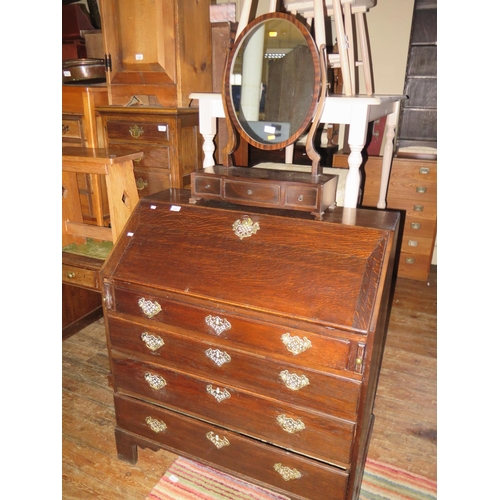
(404, 433)
(331, 278)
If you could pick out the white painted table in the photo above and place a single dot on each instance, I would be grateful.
(355, 111)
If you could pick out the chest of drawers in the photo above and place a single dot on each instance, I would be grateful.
(412, 189)
(169, 138)
(250, 339)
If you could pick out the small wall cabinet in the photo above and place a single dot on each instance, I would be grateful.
(160, 49)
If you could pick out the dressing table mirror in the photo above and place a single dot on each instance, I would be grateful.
(274, 90)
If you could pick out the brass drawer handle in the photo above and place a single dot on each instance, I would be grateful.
(412, 243)
(300, 198)
(65, 129)
(410, 260)
(296, 345)
(136, 131)
(421, 189)
(149, 308)
(216, 440)
(156, 425)
(218, 357)
(424, 170)
(153, 343)
(219, 394)
(286, 472)
(290, 425)
(245, 227)
(415, 225)
(418, 208)
(141, 183)
(70, 275)
(294, 381)
(219, 325)
(155, 381)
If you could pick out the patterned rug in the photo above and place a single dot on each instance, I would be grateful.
(188, 480)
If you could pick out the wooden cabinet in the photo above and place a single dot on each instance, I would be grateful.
(168, 137)
(250, 339)
(412, 189)
(82, 127)
(418, 117)
(159, 49)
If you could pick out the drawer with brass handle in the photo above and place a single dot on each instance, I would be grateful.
(272, 420)
(290, 383)
(86, 278)
(139, 131)
(269, 464)
(155, 156)
(321, 349)
(72, 128)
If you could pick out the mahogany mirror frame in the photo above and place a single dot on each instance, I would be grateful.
(227, 88)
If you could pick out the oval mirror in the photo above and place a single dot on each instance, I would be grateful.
(272, 81)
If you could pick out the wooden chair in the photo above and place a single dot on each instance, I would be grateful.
(348, 58)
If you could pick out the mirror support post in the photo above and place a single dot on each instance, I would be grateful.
(313, 155)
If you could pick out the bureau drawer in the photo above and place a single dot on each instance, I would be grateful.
(207, 185)
(255, 460)
(140, 131)
(415, 227)
(321, 436)
(414, 266)
(299, 347)
(272, 378)
(419, 246)
(301, 196)
(154, 156)
(264, 193)
(78, 276)
(72, 128)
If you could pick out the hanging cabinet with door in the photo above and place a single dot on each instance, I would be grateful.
(159, 50)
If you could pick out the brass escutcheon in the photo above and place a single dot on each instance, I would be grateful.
(153, 343)
(286, 472)
(141, 183)
(148, 307)
(155, 381)
(290, 425)
(245, 227)
(296, 345)
(218, 394)
(136, 131)
(217, 356)
(216, 440)
(219, 325)
(156, 425)
(294, 381)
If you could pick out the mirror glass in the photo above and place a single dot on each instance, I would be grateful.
(272, 83)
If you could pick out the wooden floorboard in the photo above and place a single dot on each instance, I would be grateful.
(404, 433)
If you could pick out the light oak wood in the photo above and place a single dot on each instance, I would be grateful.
(404, 433)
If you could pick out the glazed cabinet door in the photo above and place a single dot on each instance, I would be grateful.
(149, 50)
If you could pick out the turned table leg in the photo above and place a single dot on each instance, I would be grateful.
(390, 132)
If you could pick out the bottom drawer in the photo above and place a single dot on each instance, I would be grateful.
(273, 467)
(414, 266)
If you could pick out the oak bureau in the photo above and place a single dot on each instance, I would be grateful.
(250, 339)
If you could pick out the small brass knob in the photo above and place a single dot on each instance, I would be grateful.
(359, 361)
(70, 275)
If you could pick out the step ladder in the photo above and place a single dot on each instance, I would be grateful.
(118, 171)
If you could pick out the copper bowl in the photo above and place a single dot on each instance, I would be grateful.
(83, 71)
